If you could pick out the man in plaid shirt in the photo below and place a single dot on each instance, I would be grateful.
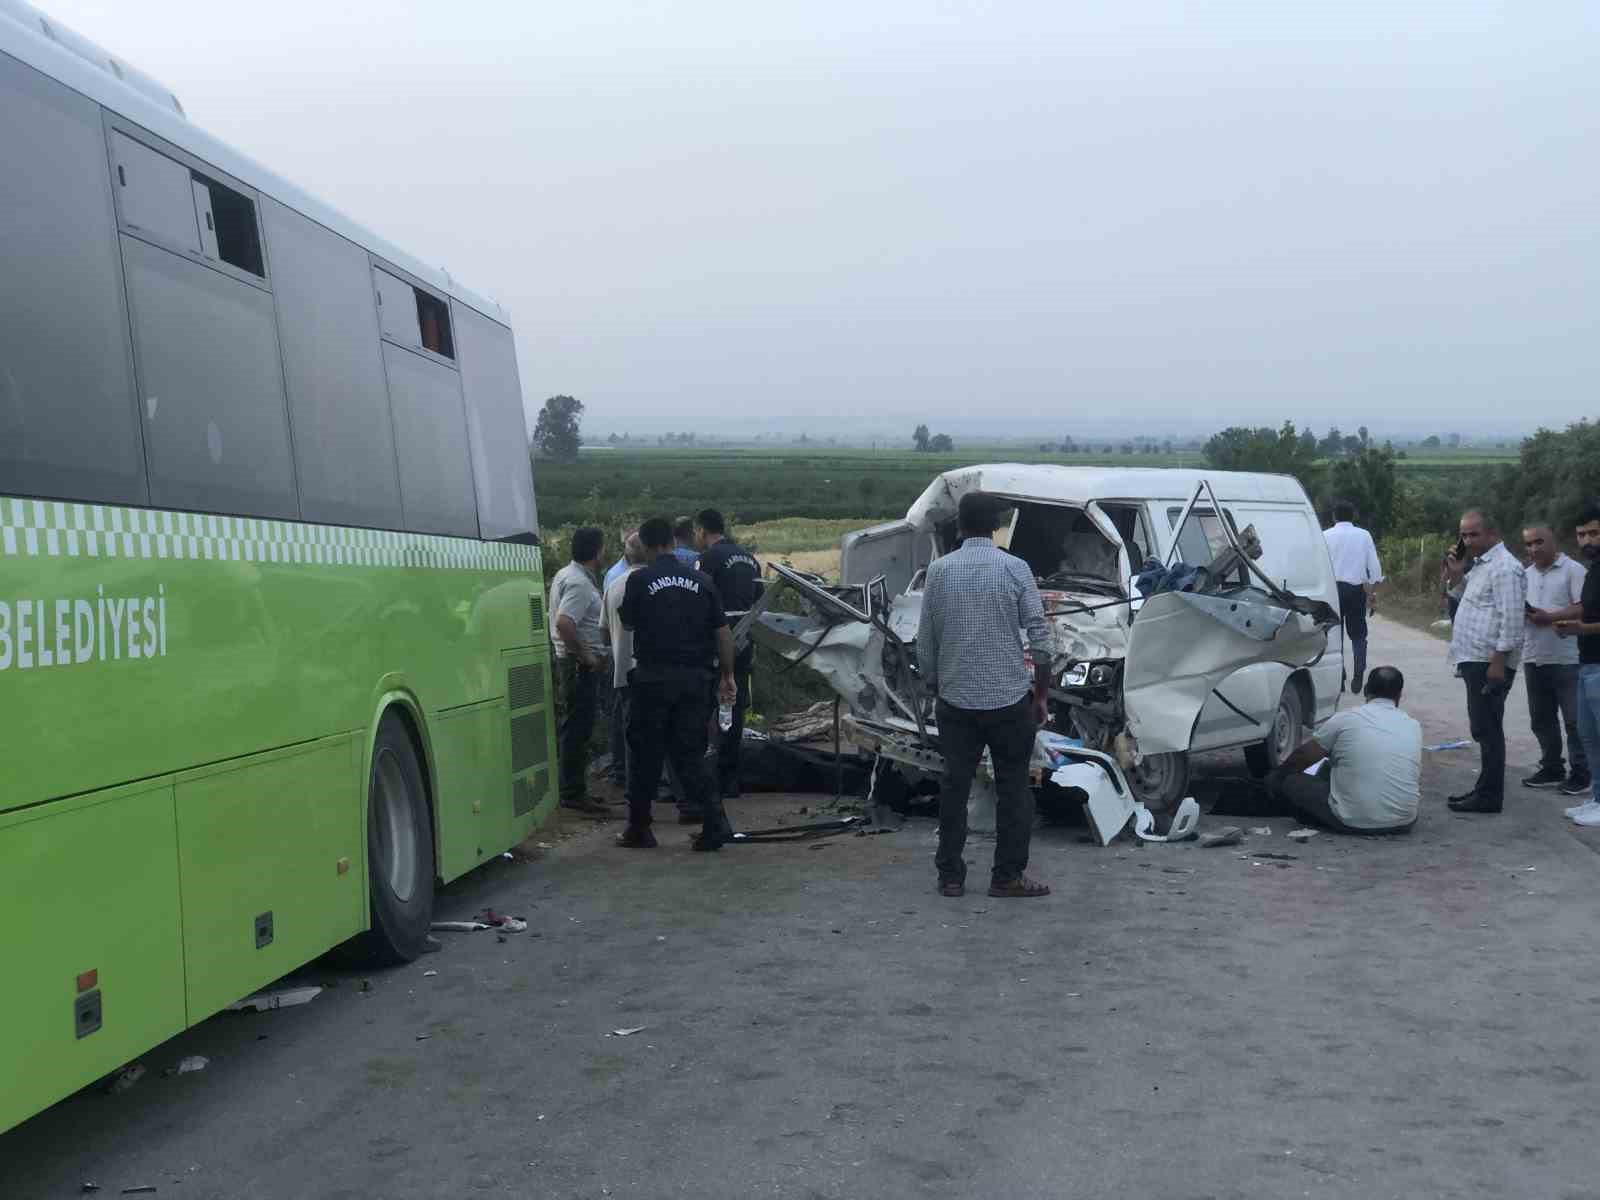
(1486, 645)
(969, 652)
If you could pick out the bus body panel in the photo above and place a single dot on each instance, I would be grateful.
(258, 634)
(91, 886)
(271, 838)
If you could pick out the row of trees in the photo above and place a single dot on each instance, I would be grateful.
(1556, 473)
(937, 443)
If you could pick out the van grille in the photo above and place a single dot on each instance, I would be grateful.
(529, 746)
(525, 686)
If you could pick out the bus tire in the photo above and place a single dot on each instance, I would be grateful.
(400, 864)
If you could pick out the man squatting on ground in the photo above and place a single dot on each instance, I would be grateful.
(1550, 661)
(1586, 628)
(736, 574)
(975, 600)
(1371, 782)
(581, 652)
(1486, 646)
(679, 629)
(1356, 568)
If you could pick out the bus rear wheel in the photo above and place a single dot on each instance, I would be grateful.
(400, 864)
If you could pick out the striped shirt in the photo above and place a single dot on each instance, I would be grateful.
(974, 603)
(1490, 617)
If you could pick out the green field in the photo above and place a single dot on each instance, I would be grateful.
(760, 485)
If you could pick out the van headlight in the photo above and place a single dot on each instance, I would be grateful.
(1084, 674)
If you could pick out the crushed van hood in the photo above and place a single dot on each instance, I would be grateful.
(1183, 644)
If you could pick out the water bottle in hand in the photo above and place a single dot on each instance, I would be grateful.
(725, 717)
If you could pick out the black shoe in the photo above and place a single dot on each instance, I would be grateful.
(635, 838)
(1355, 684)
(1546, 777)
(1458, 801)
(1479, 804)
(1577, 785)
(705, 843)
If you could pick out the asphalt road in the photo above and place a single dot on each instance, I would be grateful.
(1364, 1018)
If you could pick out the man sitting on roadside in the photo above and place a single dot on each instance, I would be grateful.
(1369, 782)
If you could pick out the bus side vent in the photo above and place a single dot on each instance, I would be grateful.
(87, 1013)
(529, 747)
(536, 618)
(525, 792)
(525, 686)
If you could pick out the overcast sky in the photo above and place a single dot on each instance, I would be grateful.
(1014, 217)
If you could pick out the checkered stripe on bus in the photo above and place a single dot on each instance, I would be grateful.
(62, 529)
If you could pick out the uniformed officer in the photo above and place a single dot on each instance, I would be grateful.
(736, 574)
(679, 630)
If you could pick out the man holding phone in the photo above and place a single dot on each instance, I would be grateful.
(1586, 628)
(1486, 646)
(1550, 662)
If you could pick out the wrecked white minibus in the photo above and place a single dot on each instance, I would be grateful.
(1224, 645)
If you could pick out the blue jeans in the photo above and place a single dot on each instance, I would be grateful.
(1589, 718)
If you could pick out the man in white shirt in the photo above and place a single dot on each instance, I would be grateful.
(621, 656)
(1370, 782)
(581, 651)
(1550, 661)
(1485, 647)
(1356, 569)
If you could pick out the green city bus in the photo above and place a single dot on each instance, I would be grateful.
(273, 657)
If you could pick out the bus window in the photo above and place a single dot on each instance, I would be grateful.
(211, 386)
(227, 221)
(155, 194)
(412, 317)
(498, 430)
(68, 425)
(333, 369)
(430, 433)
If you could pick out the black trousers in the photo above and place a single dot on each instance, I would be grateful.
(1353, 612)
(1008, 733)
(1310, 797)
(1552, 704)
(619, 737)
(1486, 714)
(731, 740)
(668, 711)
(577, 697)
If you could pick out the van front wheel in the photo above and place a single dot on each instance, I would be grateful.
(1282, 739)
(1159, 780)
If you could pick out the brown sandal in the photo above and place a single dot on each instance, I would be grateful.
(1020, 888)
(952, 888)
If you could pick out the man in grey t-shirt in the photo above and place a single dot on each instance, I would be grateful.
(1368, 763)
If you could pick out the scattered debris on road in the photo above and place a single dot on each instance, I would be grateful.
(502, 922)
(458, 926)
(1261, 831)
(1228, 835)
(125, 1079)
(1301, 835)
(429, 974)
(1184, 823)
(284, 998)
(191, 1064)
(1460, 744)
(1283, 857)
(628, 1032)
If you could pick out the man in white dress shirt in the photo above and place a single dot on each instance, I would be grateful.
(1355, 567)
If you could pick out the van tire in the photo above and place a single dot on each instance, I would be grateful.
(400, 862)
(1159, 781)
(1288, 722)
